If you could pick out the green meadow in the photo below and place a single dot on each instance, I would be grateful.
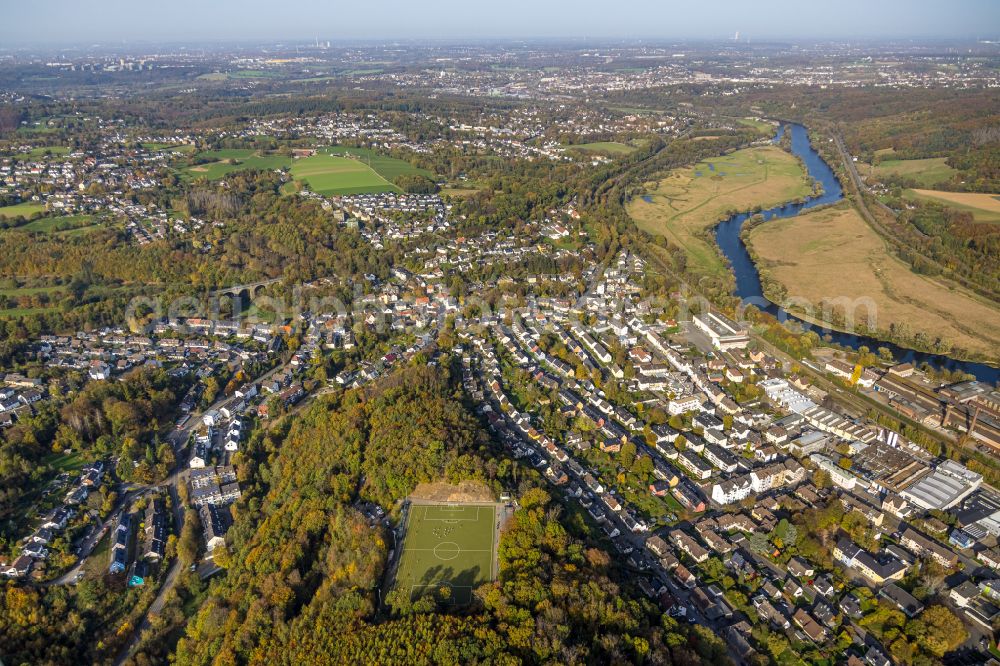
(234, 159)
(613, 148)
(340, 170)
(27, 209)
(66, 224)
(331, 175)
(385, 166)
(42, 151)
(926, 172)
(332, 171)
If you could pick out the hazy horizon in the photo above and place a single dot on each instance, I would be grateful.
(70, 22)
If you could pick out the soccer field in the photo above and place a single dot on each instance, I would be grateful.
(447, 546)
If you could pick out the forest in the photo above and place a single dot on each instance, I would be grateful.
(953, 239)
(301, 581)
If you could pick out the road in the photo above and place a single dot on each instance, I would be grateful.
(96, 533)
(598, 273)
(178, 438)
(852, 170)
(627, 539)
(861, 190)
(861, 204)
(168, 583)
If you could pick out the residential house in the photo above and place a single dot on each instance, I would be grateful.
(963, 594)
(215, 522)
(689, 496)
(154, 537)
(684, 576)
(924, 546)
(688, 545)
(120, 544)
(657, 546)
(19, 568)
(901, 599)
(877, 570)
(695, 464)
(812, 629)
(800, 568)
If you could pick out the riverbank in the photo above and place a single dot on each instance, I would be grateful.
(748, 280)
(832, 259)
(687, 203)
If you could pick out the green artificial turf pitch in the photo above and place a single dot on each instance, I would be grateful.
(447, 547)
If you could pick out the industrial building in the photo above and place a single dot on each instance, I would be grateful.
(944, 488)
(724, 333)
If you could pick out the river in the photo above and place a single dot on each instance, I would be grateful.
(748, 287)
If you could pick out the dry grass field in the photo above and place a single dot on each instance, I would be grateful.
(610, 147)
(984, 207)
(690, 200)
(832, 253)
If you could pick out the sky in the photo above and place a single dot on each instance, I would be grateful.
(133, 21)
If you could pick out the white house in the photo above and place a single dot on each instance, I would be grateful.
(683, 404)
(732, 490)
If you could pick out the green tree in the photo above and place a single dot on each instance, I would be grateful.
(822, 479)
(643, 467)
(188, 543)
(944, 630)
(626, 456)
(211, 391)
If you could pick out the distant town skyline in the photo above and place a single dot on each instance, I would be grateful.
(56, 22)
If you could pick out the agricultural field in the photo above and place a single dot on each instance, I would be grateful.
(341, 170)
(613, 148)
(926, 172)
(39, 127)
(331, 175)
(28, 298)
(27, 209)
(239, 74)
(385, 166)
(461, 188)
(689, 201)
(984, 207)
(234, 159)
(447, 546)
(458, 191)
(833, 253)
(172, 147)
(13, 313)
(50, 290)
(254, 74)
